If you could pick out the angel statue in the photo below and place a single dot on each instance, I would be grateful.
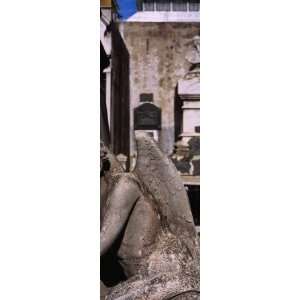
(149, 210)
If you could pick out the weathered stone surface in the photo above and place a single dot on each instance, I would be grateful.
(159, 245)
(157, 62)
(189, 88)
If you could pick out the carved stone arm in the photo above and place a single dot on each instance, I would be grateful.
(119, 205)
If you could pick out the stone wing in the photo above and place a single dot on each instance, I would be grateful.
(160, 178)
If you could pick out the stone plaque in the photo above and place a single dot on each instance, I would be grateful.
(147, 117)
(146, 97)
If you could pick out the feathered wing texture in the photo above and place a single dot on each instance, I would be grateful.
(161, 179)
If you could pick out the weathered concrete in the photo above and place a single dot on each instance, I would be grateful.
(157, 62)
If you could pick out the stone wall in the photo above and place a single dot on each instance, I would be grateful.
(157, 61)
